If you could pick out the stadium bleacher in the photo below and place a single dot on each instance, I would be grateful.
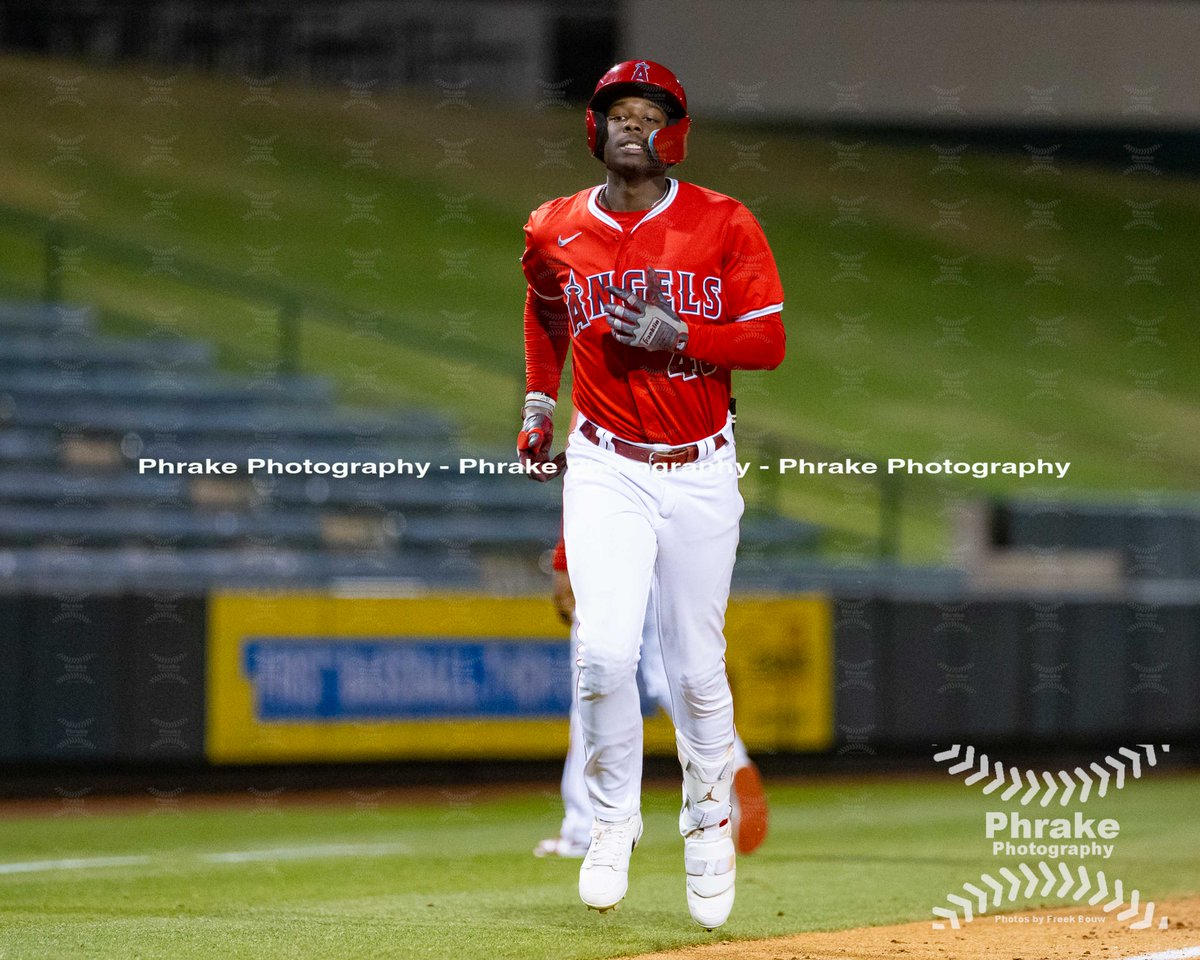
(78, 409)
(1156, 538)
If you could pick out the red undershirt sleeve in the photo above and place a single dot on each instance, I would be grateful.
(546, 342)
(746, 345)
(547, 335)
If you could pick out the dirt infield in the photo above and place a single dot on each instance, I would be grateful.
(1011, 936)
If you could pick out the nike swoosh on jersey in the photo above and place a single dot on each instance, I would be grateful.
(563, 241)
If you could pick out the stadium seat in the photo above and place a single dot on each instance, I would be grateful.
(135, 386)
(45, 318)
(181, 417)
(27, 447)
(188, 571)
(73, 352)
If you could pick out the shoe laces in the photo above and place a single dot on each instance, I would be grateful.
(612, 842)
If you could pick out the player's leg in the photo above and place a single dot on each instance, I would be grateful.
(610, 553)
(692, 572)
(611, 546)
(653, 671)
(574, 834)
(696, 551)
(748, 799)
(577, 806)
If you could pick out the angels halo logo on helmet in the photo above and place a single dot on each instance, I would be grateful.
(653, 81)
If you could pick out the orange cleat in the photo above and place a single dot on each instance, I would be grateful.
(749, 809)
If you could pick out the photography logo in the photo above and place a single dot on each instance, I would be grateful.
(1058, 845)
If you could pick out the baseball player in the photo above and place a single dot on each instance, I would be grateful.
(749, 802)
(661, 289)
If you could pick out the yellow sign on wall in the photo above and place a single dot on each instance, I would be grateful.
(313, 677)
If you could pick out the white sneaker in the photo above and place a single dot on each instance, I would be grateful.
(708, 851)
(561, 847)
(604, 875)
(708, 858)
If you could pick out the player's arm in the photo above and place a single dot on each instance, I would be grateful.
(546, 341)
(753, 293)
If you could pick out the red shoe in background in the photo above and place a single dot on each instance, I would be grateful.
(749, 809)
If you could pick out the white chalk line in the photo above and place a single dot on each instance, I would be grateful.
(316, 851)
(311, 852)
(74, 863)
(1183, 953)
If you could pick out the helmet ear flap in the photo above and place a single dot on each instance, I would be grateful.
(669, 145)
(597, 132)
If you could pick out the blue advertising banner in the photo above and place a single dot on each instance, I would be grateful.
(324, 678)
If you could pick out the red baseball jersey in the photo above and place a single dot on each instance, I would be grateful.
(712, 261)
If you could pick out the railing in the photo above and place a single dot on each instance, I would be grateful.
(59, 240)
(293, 304)
(889, 491)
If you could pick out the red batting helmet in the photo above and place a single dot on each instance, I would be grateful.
(653, 81)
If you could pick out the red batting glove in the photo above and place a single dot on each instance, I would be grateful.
(535, 438)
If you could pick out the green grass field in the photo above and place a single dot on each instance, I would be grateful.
(455, 879)
(1052, 345)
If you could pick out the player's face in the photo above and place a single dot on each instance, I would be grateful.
(631, 120)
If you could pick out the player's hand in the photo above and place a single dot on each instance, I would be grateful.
(646, 322)
(535, 438)
(564, 596)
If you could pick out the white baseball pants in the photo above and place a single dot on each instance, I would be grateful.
(577, 805)
(629, 527)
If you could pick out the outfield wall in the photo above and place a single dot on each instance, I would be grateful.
(1044, 670)
(89, 679)
(236, 679)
